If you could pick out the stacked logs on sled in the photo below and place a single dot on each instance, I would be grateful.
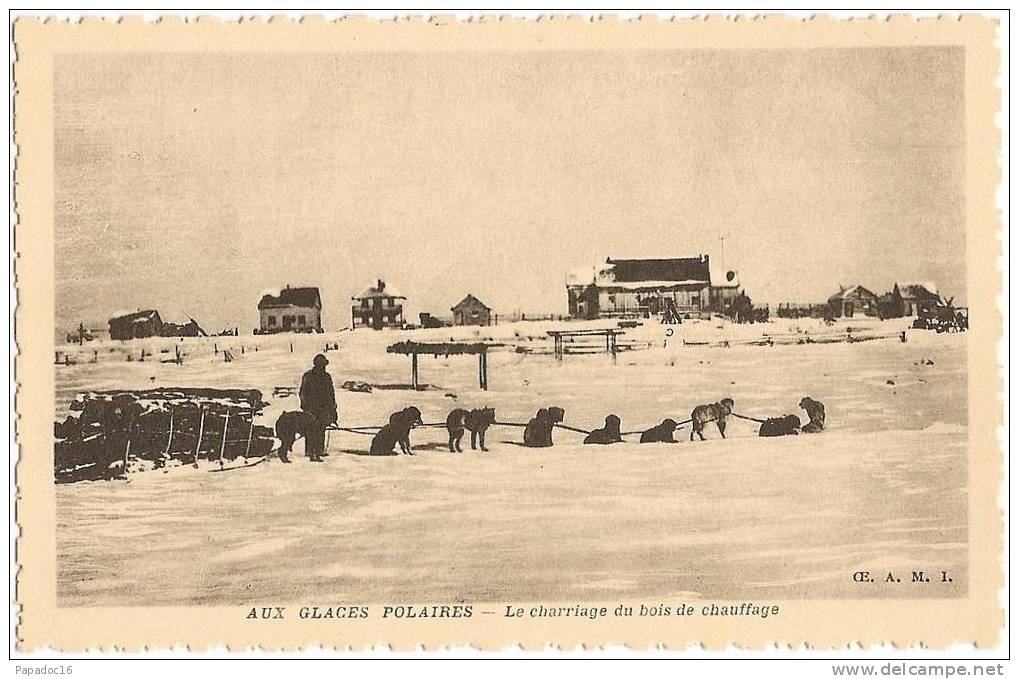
(109, 433)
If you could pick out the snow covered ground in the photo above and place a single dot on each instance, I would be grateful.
(883, 488)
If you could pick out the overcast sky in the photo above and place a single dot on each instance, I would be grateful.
(194, 183)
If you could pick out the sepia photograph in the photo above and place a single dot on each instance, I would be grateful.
(511, 323)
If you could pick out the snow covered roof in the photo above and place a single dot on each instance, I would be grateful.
(379, 290)
(646, 274)
(136, 317)
(651, 285)
(469, 301)
(288, 296)
(920, 289)
(852, 291)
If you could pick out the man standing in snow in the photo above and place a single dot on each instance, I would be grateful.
(318, 399)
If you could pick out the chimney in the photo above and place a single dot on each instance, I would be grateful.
(381, 285)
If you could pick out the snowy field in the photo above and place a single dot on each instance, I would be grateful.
(794, 517)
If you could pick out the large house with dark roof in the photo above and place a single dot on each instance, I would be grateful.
(377, 307)
(292, 310)
(644, 287)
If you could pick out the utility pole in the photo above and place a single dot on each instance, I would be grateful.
(721, 256)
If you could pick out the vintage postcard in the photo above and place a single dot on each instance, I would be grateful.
(502, 332)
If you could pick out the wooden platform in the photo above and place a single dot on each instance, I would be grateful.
(412, 349)
(561, 337)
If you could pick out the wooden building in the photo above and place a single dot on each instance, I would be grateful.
(292, 310)
(645, 287)
(848, 302)
(721, 294)
(136, 325)
(377, 307)
(189, 329)
(471, 311)
(915, 296)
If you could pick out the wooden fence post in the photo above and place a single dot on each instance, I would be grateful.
(222, 446)
(201, 430)
(414, 370)
(127, 448)
(169, 439)
(251, 429)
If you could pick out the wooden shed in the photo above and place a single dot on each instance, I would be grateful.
(852, 300)
(139, 324)
(471, 311)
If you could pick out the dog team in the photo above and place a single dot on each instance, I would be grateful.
(318, 412)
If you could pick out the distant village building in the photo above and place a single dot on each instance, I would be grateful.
(847, 302)
(136, 325)
(189, 329)
(646, 287)
(81, 335)
(377, 307)
(471, 311)
(293, 310)
(724, 292)
(915, 296)
(147, 323)
(429, 321)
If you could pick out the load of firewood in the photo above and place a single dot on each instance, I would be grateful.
(109, 433)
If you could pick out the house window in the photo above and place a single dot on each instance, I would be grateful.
(390, 301)
(364, 303)
(272, 321)
(300, 320)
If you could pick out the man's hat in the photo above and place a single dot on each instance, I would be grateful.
(320, 359)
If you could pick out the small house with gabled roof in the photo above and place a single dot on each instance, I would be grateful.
(852, 300)
(471, 311)
(916, 295)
